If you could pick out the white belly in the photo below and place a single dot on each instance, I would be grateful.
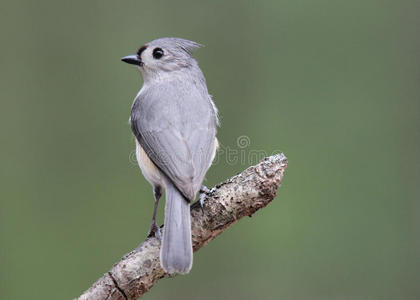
(148, 168)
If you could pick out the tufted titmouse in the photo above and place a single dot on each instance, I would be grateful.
(174, 121)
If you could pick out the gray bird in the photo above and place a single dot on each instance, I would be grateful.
(174, 121)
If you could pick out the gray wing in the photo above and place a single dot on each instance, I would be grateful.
(175, 123)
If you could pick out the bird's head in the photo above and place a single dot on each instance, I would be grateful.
(163, 55)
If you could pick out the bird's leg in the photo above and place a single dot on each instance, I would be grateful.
(203, 191)
(154, 229)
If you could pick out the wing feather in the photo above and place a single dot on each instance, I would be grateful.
(175, 123)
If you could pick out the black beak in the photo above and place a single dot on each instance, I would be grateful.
(132, 60)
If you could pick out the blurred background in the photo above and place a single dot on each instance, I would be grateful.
(332, 84)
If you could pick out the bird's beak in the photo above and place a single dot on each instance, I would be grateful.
(132, 60)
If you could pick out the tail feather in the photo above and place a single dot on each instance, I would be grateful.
(176, 254)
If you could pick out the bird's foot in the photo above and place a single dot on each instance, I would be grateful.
(203, 191)
(154, 231)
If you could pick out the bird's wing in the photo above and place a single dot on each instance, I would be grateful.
(175, 123)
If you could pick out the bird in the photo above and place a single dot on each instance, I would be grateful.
(174, 121)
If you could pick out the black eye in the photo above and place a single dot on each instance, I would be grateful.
(157, 53)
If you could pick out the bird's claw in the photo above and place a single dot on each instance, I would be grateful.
(203, 191)
(154, 231)
(201, 199)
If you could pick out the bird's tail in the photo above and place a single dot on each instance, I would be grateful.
(176, 254)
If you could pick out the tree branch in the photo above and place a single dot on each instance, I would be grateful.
(239, 196)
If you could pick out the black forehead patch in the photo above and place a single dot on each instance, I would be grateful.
(142, 48)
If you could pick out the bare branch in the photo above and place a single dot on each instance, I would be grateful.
(226, 203)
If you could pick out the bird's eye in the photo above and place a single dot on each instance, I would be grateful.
(157, 53)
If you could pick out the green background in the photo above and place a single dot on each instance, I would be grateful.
(332, 84)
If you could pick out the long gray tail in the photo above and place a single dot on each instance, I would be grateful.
(176, 254)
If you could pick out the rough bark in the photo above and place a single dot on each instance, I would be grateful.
(239, 196)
